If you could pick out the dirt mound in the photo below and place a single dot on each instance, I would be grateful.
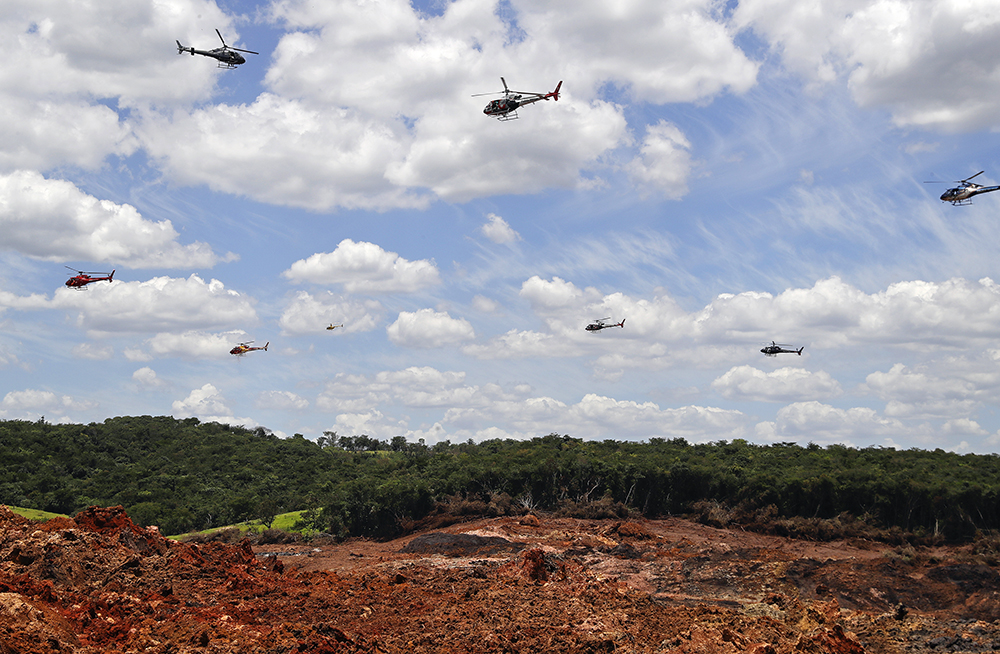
(459, 545)
(100, 583)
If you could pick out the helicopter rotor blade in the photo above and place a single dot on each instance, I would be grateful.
(976, 175)
(242, 50)
(505, 89)
(220, 36)
(476, 95)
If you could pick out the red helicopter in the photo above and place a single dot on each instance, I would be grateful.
(243, 348)
(506, 108)
(81, 279)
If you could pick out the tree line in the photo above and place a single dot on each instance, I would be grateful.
(184, 475)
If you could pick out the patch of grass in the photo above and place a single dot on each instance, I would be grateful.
(282, 522)
(35, 514)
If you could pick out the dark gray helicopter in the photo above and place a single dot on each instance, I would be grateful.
(962, 194)
(506, 107)
(599, 324)
(774, 349)
(228, 57)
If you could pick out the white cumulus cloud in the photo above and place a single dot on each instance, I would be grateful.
(932, 64)
(310, 314)
(429, 328)
(365, 268)
(54, 220)
(664, 161)
(209, 405)
(781, 385)
(159, 305)
(498, 230)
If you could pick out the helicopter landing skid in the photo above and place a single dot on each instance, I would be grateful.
(512, 115)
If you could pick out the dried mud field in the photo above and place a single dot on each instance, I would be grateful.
(99, 583)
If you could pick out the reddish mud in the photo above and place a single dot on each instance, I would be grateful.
(99, 583)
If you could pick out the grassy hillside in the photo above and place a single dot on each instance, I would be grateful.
(285, 522)
(35, 514)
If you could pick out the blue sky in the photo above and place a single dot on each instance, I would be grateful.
(719, 175)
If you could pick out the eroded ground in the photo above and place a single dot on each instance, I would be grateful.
(100, 584)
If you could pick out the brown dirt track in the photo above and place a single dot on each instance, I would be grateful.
(532, 584)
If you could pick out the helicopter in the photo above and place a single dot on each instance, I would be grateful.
(227, 56)
(774, 349)
(243, 348)
(506, 108)
(81, 279)
(599, 324)
(962, 194)
(332, 326)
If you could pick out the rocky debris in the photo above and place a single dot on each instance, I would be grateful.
(459, 545)
(99, 583)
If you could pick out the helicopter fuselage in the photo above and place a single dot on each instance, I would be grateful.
(774, 350)
(227, 57)
(600, 324)
(505, 108)
(81, 279)
(502, 106)
(963, 194)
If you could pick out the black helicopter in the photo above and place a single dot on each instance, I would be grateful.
(598, 325)
(228, 57)
(774, 349)
(962, 194)
(506, 107)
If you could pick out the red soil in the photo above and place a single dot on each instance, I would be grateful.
(99, 583)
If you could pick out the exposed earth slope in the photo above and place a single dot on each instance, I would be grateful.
(99, 583)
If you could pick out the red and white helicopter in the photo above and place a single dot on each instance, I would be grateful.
(506, 108)
(243, 348)
(81, 279)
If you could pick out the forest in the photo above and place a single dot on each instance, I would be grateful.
(184, 475)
